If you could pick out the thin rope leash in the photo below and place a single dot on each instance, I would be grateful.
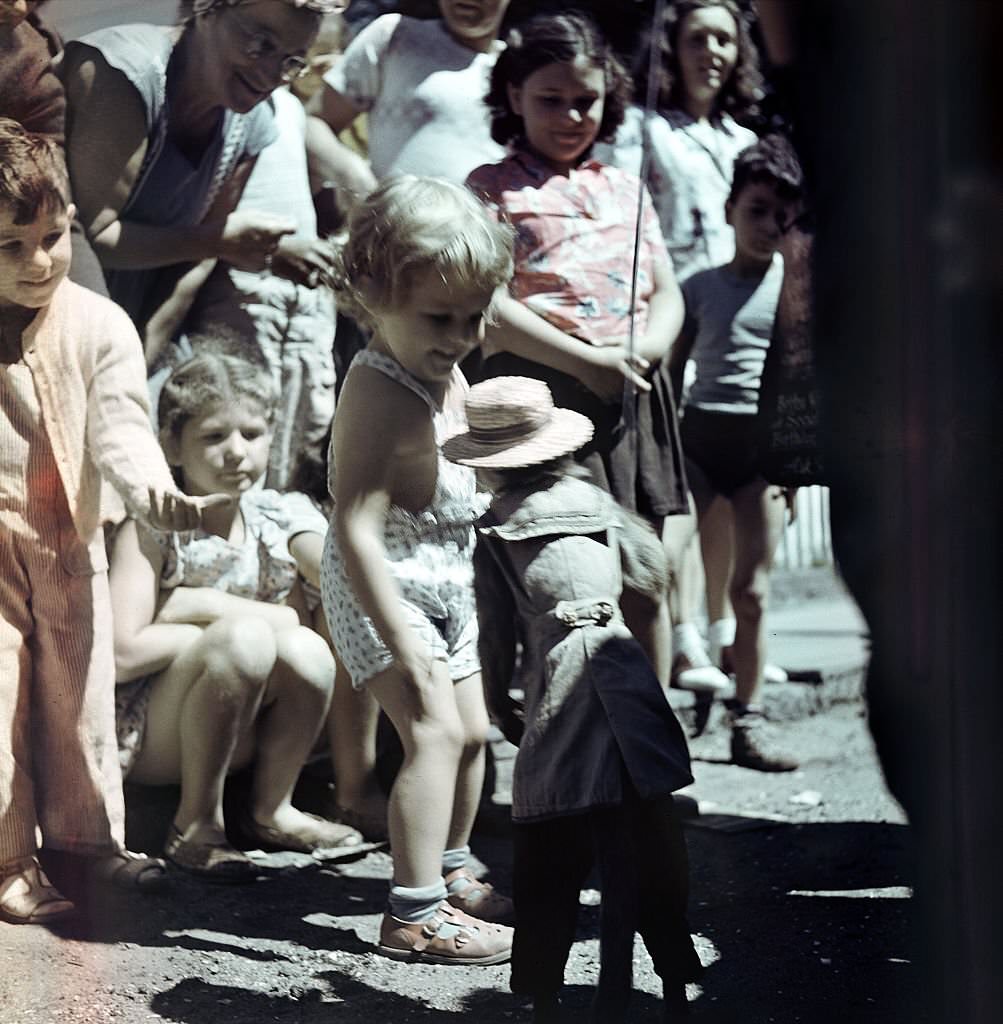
(630, 388)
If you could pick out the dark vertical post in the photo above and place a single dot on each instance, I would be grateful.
(899, 100)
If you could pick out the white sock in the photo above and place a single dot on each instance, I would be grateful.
(686, 640)
(418, 903)
(453, 859)
(721, 633)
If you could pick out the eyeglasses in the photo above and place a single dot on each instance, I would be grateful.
(258, 45)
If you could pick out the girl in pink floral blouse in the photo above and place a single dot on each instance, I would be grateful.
(556, 89)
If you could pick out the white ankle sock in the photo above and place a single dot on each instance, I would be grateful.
(416, 903)
(721, 632)
(453, 859)
(686, 639)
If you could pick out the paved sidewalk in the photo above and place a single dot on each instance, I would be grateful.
(817, 634)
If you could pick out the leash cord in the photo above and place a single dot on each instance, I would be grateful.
(630, 388)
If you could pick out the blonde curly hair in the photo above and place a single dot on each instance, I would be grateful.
(411, 224)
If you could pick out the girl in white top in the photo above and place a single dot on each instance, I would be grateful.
(708, 74)
(423, 84)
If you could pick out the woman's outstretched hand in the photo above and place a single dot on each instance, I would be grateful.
(174, 511)
(306, 261)
(250, 239)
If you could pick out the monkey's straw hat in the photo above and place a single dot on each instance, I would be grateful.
(512, 422)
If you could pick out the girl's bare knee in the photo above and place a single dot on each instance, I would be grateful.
(304, 655)
(243, 649)
(473, 746)
(640, 613)
(310, 692)
(442, 732)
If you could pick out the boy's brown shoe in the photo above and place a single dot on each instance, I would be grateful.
(754, 745)
(448, 937)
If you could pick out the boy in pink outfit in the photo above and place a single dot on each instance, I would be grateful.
(73, 412)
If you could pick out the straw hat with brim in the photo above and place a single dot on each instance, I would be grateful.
(512, 422)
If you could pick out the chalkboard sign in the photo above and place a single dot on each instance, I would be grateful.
(789, 403)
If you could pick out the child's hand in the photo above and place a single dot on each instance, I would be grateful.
(250, 239)
(790, 496)
(510, 717)
(609, 367)
(174, 511)
(415, 665)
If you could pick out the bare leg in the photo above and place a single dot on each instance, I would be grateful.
(351, 739)
(716, 545)
(469, 694)
(678, 533)
(201, 708)
(652, 629)
(759, 518)
(651, 624)
(351, 732)
(691, 668)
(295, 704)
(759, 521)
(420, 809)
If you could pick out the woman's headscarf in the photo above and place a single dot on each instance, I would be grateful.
(318, 6)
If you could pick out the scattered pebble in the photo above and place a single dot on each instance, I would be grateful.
(806, 798)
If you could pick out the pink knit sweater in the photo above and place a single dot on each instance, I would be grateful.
(87, 361)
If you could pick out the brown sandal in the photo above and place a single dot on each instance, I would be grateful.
(323, 839)
(127, 870)
(214, 862)
(479, 899)
(448, 937)
(372, 826)
(28, 897)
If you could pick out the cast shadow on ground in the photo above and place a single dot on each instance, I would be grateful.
(321, 999)
(810, 922)
(334, 996)
(792, 944)
(271, 909)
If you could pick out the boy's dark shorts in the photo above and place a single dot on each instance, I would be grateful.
(723, 445)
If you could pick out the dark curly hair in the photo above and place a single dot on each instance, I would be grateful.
(772, 160)
(33, 174)
(555, 39)
(739, 96)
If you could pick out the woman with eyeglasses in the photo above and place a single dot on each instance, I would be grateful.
(163, 129)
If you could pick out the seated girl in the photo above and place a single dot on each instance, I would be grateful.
(215, 670)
